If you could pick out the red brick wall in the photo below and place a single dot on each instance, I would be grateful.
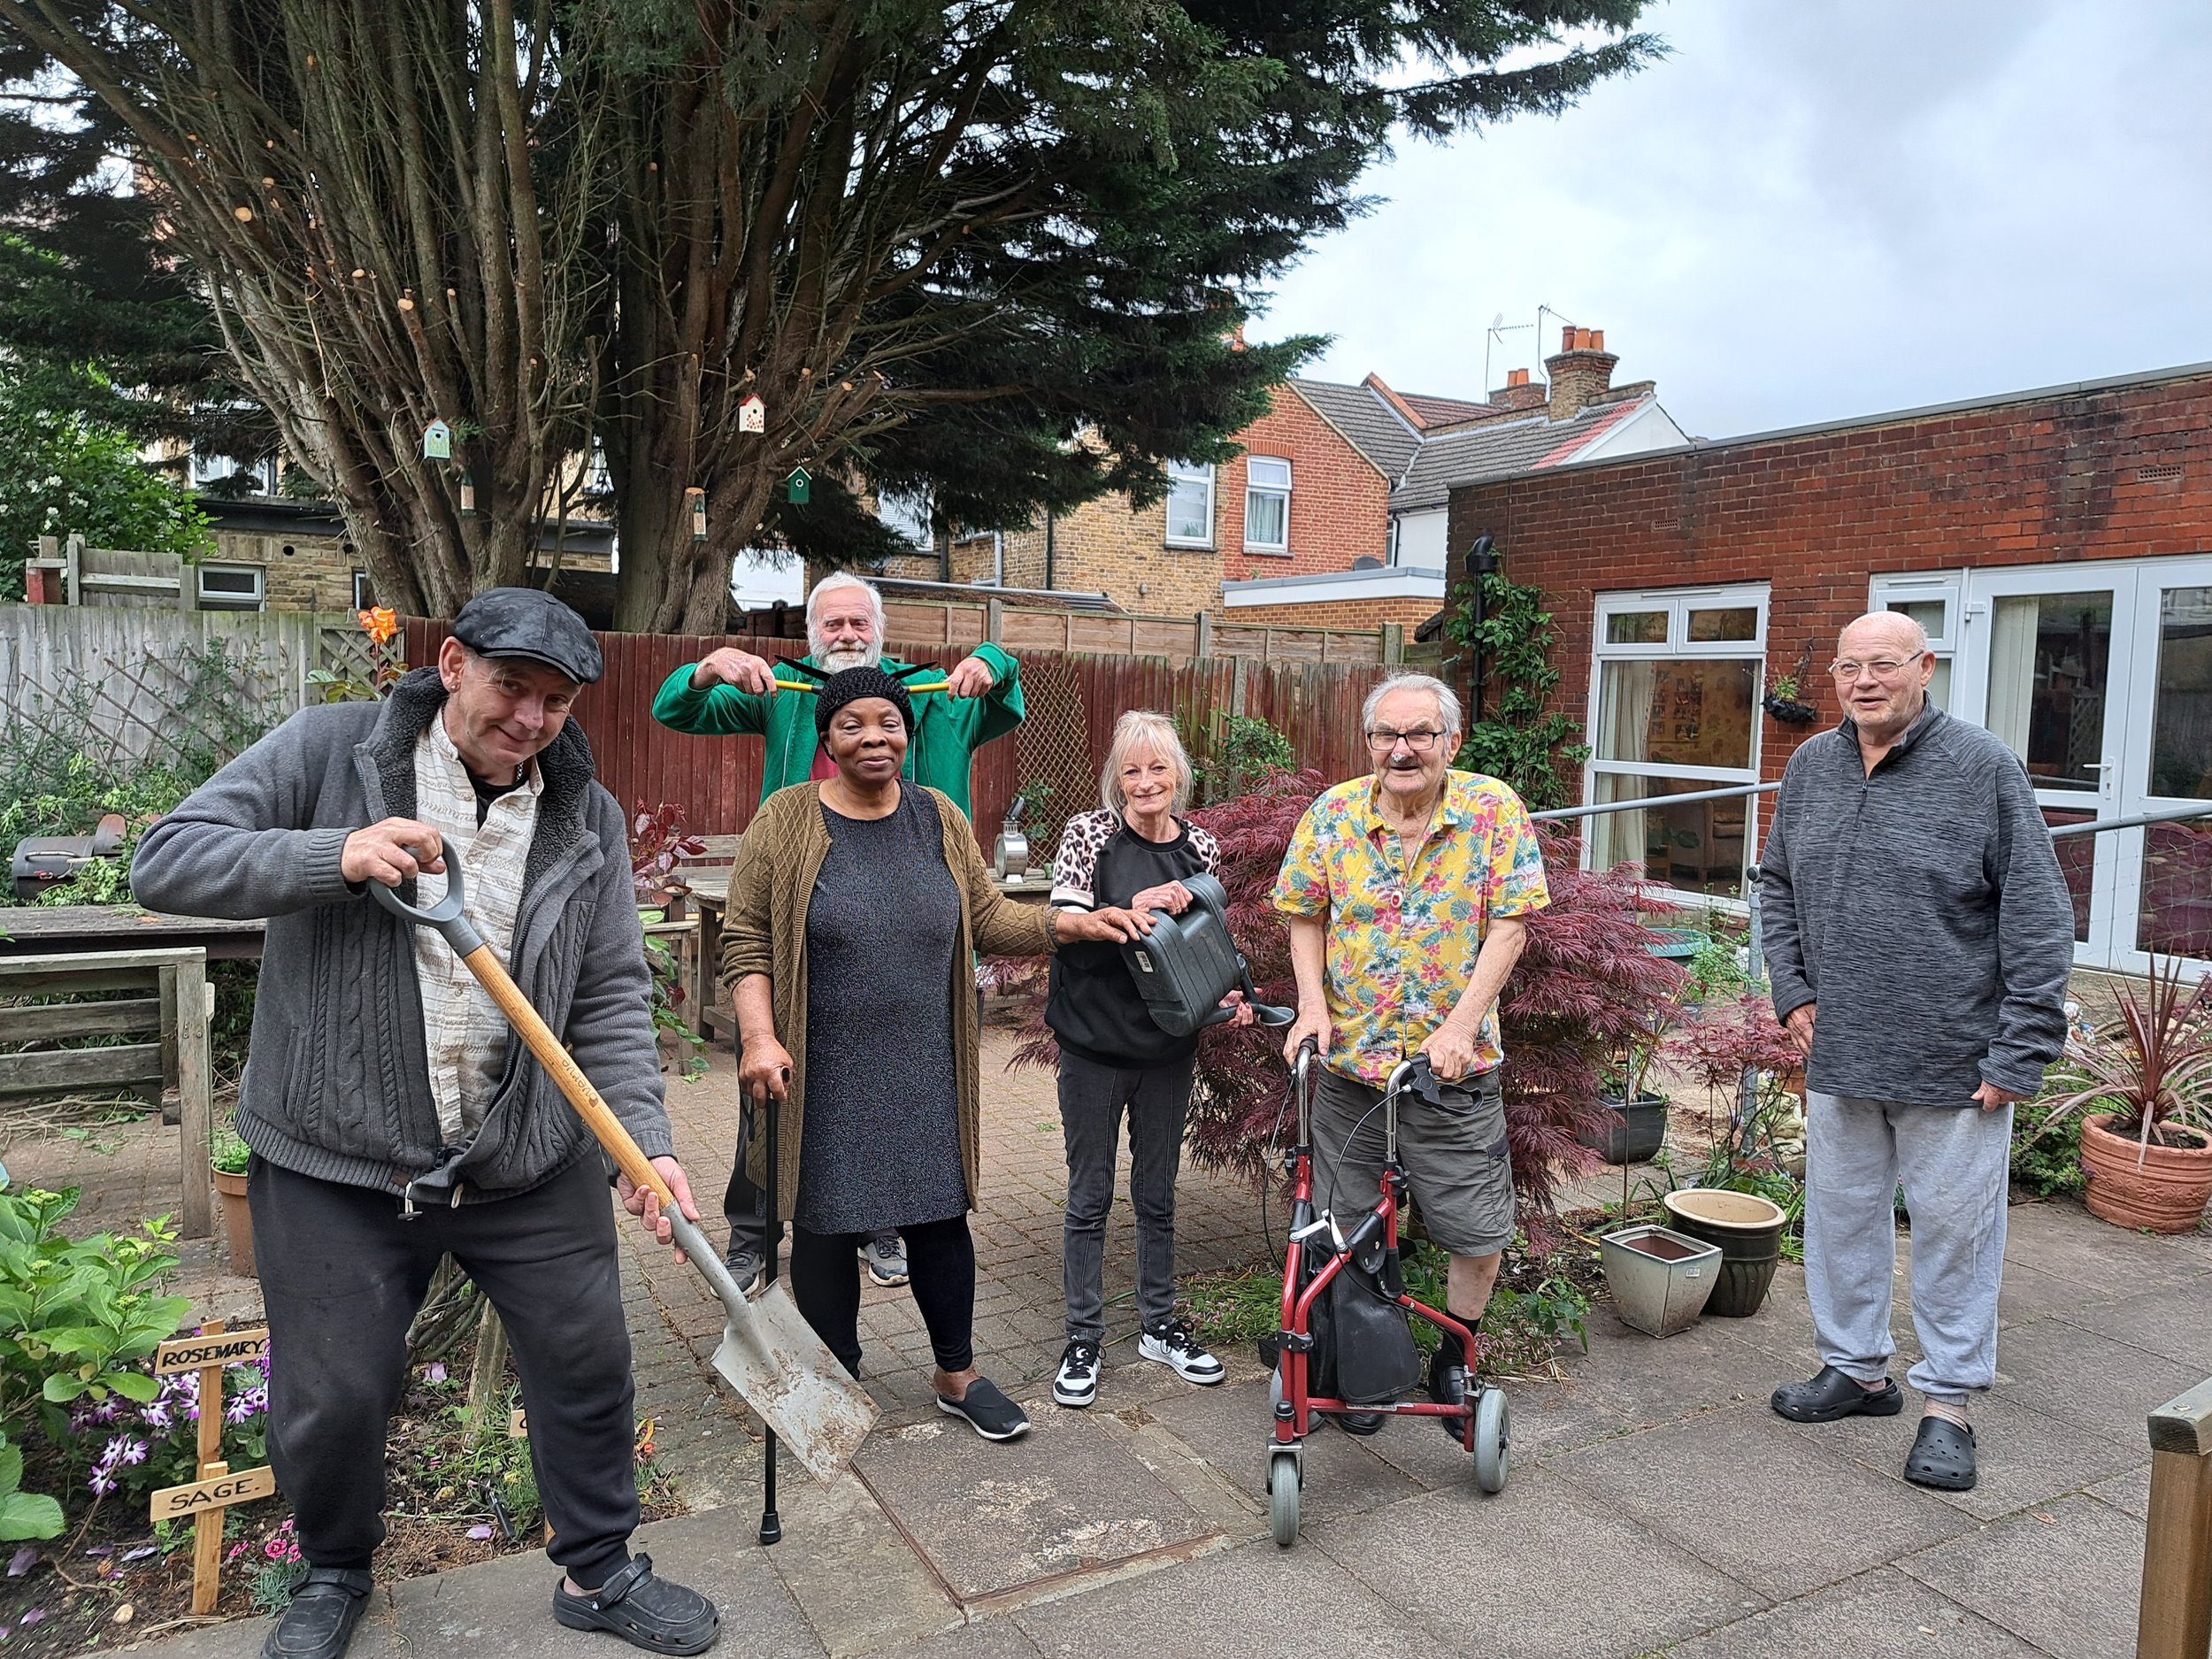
(2087, 476)
(1340, 504)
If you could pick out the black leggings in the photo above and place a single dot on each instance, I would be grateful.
(940, 1272)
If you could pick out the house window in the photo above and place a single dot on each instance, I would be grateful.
(260, 476)
(1267, 505)
(1190, 505)
(363, 596)
(229, 587)
(1933, 602)
(906, 513)
(1674, 705)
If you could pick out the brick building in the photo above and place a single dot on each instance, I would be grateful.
(2056, 544)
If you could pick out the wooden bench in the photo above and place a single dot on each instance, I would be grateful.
(168, 1010)
(2175, 1620)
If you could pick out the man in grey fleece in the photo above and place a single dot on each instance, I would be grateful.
(391, 1118)
(1919, 935)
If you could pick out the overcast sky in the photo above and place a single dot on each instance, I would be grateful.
(1812, 210)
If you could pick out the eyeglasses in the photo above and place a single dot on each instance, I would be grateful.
(1420, 741)
(1884, 668)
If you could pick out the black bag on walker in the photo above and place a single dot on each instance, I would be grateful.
(1363, 1341)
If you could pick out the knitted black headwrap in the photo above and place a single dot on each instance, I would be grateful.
(851, 685)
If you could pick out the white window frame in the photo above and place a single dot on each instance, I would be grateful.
(1948, 586)
(908, 516)
(1254, 490)
(225, 599)
(1677, 603)
(209, 469)
(1183, 474)
(364, 596)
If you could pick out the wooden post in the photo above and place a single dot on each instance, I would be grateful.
(2175, 1621)
(72, 555)
(994, 619)
(195, 1006)
(207, 1530)
(1393, 644)
(1204, 642)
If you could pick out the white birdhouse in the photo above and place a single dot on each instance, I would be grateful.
(752, 414)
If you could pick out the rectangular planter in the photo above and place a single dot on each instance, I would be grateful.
(1660, 1279)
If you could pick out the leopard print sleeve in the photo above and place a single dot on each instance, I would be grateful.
(1205, 846)
(1075, 867)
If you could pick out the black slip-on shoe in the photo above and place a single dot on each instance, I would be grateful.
(1833, 1395)
(988, 1412)
(645, 1611)
(1360, 1423)
(1942, 1457)
(320, 1623)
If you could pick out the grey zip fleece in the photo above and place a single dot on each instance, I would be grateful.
(338, 1084)
(1922, 908)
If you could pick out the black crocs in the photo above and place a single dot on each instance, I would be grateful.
(1833, 1395)
(645, 1611)
(320, 1623)
(1942, 1457)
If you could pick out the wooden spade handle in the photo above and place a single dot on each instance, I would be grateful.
(597, 1115)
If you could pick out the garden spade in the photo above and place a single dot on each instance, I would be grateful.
(769, 1354)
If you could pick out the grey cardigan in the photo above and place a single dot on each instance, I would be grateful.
(338, 1084)
(1922, 907)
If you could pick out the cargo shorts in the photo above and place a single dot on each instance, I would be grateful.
(1454, 1156)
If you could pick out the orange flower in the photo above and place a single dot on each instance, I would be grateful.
(381, 624)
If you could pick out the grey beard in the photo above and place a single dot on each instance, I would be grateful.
(836, 660)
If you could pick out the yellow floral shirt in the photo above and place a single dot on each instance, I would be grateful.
(1400, 945)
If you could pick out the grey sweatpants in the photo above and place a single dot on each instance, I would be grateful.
(1953, 1163)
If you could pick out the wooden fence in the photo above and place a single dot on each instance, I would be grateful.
(1073, 700)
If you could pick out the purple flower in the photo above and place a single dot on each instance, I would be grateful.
(156, 1417)
(23, 1560)
(102, 1483)
(479, 1532)
(32, 1617)
(135, 1452)
(238, 1410)
(435, 1373)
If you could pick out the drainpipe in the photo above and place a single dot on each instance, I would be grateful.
(1049, 581)
(998, 558)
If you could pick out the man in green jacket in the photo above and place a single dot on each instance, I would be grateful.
(733, 693)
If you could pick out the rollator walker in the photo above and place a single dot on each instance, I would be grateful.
(1321, 1249)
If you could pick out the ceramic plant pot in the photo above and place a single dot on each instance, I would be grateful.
(237, 1221)
(2166, 1194)
(1635, 1130)
(1659, 1278)
(1747, 1231)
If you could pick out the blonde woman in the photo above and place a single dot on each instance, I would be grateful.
(1114, 1059)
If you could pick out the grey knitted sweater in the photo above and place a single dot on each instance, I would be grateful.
(338, 1084)
(1922, 908)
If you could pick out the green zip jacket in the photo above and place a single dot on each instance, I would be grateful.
(948, 731)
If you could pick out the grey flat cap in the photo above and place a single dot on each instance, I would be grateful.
(525, 622)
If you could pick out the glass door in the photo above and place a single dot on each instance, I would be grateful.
(2036, 666)
(2162, 873)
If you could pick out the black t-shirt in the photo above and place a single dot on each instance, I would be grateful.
(1094, 1008)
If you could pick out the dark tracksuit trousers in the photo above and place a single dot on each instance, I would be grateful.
(342, 1275)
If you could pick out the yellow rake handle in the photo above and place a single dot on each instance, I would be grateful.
(805, 685)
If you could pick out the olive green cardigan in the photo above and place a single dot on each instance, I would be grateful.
(766, 932)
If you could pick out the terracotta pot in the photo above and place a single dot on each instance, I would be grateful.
(237, 1221)
(1749, 1231)
(2166, 1194)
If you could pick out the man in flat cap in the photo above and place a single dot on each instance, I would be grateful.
(393, 1118)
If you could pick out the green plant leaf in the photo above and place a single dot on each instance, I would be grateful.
(29, 1515)
(133, 1385)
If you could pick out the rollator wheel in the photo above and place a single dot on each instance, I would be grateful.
(1493, 1448)
(1282, 1497)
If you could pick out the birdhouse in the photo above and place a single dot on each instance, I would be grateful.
(468, 495)
(437, 441)
(798, 488)
(752, 414)
(695, 504)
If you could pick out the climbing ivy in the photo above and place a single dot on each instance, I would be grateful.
(1518, 739)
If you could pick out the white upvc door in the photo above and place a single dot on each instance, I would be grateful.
(2098, 675)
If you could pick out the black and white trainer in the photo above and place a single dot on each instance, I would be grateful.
(1077, 1385)
(1173, 1346)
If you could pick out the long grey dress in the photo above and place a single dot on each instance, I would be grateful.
(881, 1145)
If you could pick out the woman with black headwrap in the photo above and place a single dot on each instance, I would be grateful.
(859, 904)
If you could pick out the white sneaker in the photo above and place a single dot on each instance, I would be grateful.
(1077, 1385)
(1172, 1345)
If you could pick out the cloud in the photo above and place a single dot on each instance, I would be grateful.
(1810, 211)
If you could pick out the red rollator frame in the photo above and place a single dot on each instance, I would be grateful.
(1483, 1419)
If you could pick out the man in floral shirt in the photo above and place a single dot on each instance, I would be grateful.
(1406, 892)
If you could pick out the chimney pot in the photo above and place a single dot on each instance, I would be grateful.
(1597, 340)
(1582, 375)
(1516, 377)
(1567, 338)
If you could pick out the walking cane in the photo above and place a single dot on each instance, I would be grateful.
(770, 1523)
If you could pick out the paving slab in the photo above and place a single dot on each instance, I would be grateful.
(1767, 1506)
(990, 1639)
(2068, 1242)
(1254, 1603)
(2065, 1578)
(2108, 1387)
(1229, 1427)
(1546, 1419)
(858, 1577)
(1886, 1616)
(1541, 1570)
(2174, 1321)
(1068, 1496)
(1663, 1380)
(2128, 1492)
(2021, 1456)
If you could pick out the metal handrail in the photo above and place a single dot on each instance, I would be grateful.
(2097, 827)
(2171, 815)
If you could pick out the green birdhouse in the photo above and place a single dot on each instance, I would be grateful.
(798, 488)
(437, 441)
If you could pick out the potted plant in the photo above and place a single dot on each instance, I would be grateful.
(1781, 699)
(1635, 1123)
(1746, 1199)
(228, 1160)
(1660, 1280)
(2146, 1107)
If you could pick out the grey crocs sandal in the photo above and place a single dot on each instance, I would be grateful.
(645, 1611)
(1942, 1457)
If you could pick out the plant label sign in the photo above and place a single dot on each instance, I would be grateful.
(192, 1353)
(518, 1424)
(214, 1491)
